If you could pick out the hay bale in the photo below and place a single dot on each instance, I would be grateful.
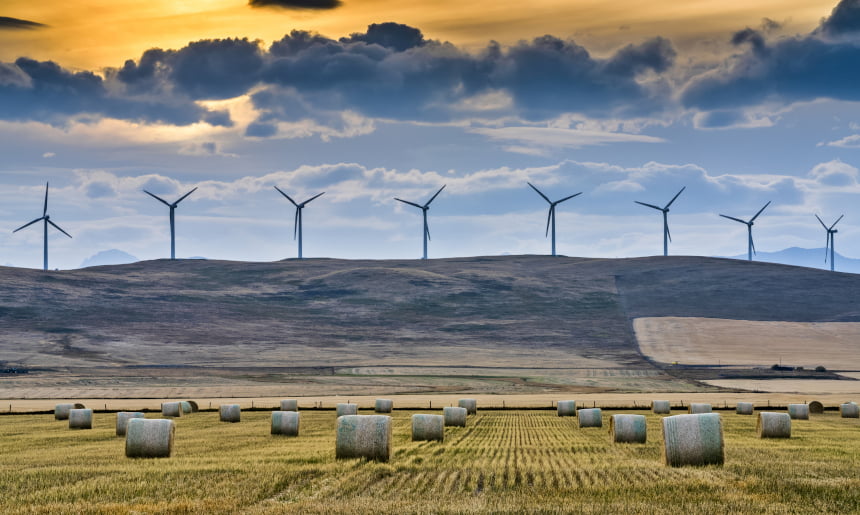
(285, 423)
(695, 439)
(849, 410)
(773, 425)
(798, 411)
(171, 409)
(289, 405)
(78, 405)
(471, 406)
(566, 408)
(80, 419)
(454, 416)
(816, 407)
(628, 428)
(122, 418)
(149, 438)
(194, 407)
(186, 407)
(61, 411)
(744, 408)
(383, 406)
(364, 436)
(347, 409)
(699, 407)
(230, 413)
(661, 407)
(428, 427)
(590, 417)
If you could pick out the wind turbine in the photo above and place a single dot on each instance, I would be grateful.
(550, 217)
(172, 224)
(47, 220)
(750, 245)
(297, 222)
(666, 236)
(830, 243)
(424, 209)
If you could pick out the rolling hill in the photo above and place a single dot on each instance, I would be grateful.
(508, 323)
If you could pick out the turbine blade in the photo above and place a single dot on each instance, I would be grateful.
(539, 192)
(434, 196)
(315, 196)
(296, 223)
(827, 246)
(652, 206)
(288, 197)
(410, 203)
(45, 210)
(57, 227)
(673, 198)
(759, 211)
(427, 230)
(183, 196)
(735, 219)
(821, 222)
(669, 234)
(157, 198)
(752, 244)
(567, 198)
(549, 216)
(836, 222)
(28, 224)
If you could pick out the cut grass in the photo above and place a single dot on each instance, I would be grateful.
(511, 461)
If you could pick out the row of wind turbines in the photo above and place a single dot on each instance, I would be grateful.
(550, 221)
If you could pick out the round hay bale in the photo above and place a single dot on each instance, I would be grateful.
(699, 407)
(628, 428)
(347, 409)
(149, 438)
(78, 405)
(693, 440)
(661, 407)
(289, 405)
(454, 416)
(230, 413)
(773, 425)
(428, 427)
(589, 417)
(566, 408)
(194, 407)
(744, 408)
(383, 406)
(285, 423)
(122, 418)
(364, 436)
(171, 409)
(849, 410)
(186, 407)
(798, 411)
(61, 411)
(471, 406)
(816, 407)
(80, 419)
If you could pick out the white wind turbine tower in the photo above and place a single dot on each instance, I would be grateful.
(550, 217)
(666, 236)
(830, 242)
(297, 221)
(47, 220)
(424, 208)
(749, 224)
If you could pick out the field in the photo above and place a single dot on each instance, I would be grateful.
(504, 461)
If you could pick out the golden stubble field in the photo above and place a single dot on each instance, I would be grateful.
(503, 461)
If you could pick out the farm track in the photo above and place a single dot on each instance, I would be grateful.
(504, 461)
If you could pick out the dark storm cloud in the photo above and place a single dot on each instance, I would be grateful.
(391, 35)
(46, 92)
(784, 71)
(297, 4)
(7, 23)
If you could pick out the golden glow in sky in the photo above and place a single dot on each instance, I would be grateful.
(98, 33)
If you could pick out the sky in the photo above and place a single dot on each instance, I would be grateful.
(740, 103)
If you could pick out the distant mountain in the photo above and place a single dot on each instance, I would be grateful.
(109, 257)
(811, 258)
